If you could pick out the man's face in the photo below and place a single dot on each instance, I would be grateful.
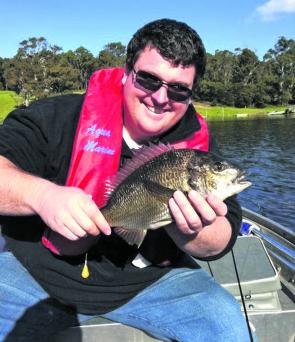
(147, 113)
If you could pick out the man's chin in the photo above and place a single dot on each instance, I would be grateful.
(148, 132)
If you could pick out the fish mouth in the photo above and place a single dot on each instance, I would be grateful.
(241, 179)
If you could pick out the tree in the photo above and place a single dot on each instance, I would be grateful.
(113, 54)
(220, 67)
(280, 66)
(28, 71)
(83, 62)
(232, 78)
(2, 78)
(216, 92)
(244, 95)
(217, 83)
(246, 67)
(61, 75)
(14, 70)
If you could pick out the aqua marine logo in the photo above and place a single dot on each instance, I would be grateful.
(92, 145)
(98, 131)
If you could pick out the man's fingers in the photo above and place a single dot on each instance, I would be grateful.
(68, 233)
(66, 224)
(98, 221)
(202, 207)
(217, 205)
(85, 222)
(194, 212)
(102, 223)
(179, 217)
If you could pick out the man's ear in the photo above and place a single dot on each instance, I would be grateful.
(124, 78)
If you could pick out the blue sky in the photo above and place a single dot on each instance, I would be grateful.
(222, 24)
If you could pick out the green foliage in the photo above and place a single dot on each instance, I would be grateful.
(280, 69)
(40, 70)
(240, 79)
(236, 78)
(112, 55)
(82, 63)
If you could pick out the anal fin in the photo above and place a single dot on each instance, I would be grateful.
(131, 236)
(161, 223)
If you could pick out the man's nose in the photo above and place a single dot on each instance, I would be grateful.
(161, 96)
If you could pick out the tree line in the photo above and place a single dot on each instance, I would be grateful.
(236, 78)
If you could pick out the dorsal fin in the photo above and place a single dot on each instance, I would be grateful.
(140, 157)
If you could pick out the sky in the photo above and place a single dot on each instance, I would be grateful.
(222, 24)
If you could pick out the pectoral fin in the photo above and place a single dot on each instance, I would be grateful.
(162, 195)
(131, 236)
(160, 192)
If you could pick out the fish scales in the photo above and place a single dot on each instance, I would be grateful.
(169, 169)
(134, 195)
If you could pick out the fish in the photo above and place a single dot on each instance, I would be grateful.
(137, 197)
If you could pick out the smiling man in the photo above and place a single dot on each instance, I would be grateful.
(55, 157)
(150, 111)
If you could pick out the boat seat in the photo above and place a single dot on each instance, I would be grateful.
(259, 278)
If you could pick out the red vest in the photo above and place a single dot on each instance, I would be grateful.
(97, 147)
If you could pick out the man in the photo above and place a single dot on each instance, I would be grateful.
(164, 292)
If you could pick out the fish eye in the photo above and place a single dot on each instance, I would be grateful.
(218, 166)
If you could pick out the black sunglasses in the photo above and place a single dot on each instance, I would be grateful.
(175, 91)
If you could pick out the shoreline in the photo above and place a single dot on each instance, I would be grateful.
(218, 113)
(248, 117)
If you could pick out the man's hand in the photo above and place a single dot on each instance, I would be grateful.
(200, 228)
(67, 210)
(193, 214)
(70, 212)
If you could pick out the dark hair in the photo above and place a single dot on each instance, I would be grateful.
(175, 41)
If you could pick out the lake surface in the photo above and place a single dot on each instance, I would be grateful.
(266, 150)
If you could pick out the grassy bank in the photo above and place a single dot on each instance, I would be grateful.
(8, 101)
(217, 113)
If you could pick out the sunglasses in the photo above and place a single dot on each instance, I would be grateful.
(175, 91)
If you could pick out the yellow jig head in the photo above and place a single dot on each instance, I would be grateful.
(85, 272)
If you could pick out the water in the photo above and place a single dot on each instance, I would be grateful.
(266, 150)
